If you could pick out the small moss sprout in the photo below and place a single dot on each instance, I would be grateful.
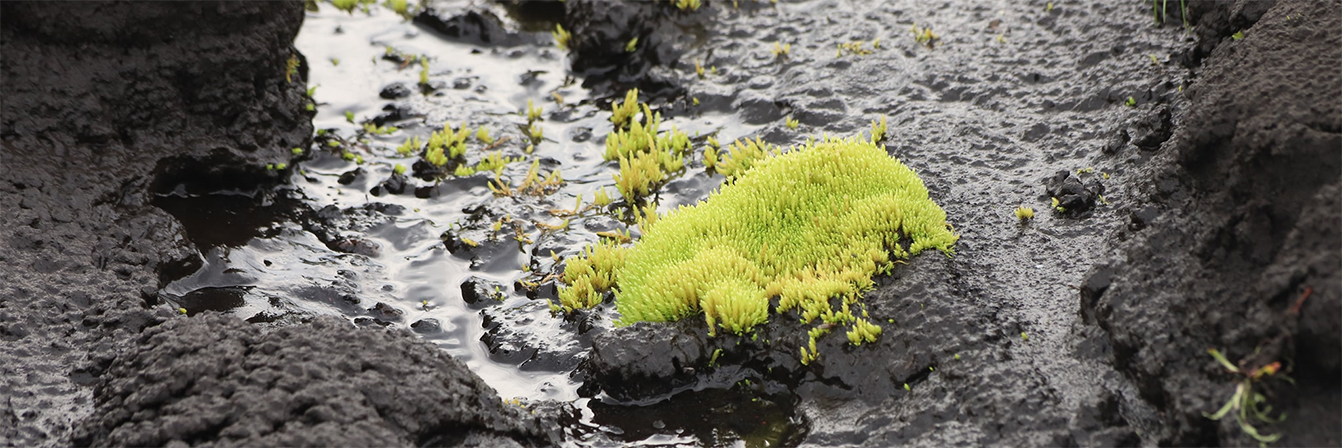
(561, 36)
(290, 68)
(1024, 213)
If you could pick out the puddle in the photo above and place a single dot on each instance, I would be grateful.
(469, 269)
(387, 259)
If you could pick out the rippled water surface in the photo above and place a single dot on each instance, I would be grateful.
(395, 267)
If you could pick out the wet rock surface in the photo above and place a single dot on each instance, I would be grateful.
(1240, 249)
(1218, 157)
(1198, 231)
(100, 113)
(102, 117)
(219, 381)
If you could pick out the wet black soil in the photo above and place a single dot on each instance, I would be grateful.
(1198, 174)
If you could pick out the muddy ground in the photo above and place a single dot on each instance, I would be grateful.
(1211, 220)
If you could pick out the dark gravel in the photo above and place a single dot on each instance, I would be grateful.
(219, 381)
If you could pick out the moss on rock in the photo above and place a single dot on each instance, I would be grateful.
(806, 226)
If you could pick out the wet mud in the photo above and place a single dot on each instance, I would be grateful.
(202, 251)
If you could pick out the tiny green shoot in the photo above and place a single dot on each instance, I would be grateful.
(290, 68)
(423, 72)
(561, 36)
(692, 5)
(533, 112)
(1024, 213)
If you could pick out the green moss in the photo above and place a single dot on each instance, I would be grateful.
(561, 36)
(638, 176)
(588, 276)
(423, 72)
(740, 157)
(878, 130)
(807, 226)
(443, 145)
(692, 5)
(290, 68)
(646, 154)
(400, 7)
(1024, 213)
(495, 162)
(623, 112)
(533, 112)
(601, 199)
(536, 133)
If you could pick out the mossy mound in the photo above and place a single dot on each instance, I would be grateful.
(805, 226)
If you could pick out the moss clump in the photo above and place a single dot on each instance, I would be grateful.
(646, 154)
(588, 276)
(741, 155)
(622, 113)
(807, 226)
(1024, 213)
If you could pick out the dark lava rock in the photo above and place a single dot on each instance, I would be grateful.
(427, 326)
(476, 27)
(101, 113)
(394, 91)
(386, 313)
(216, 380)
(1076, 198)
(393, 113)
(350, 176)
(515, 336)
(395, 184)
(646, 359)
(338, 228)
(1152, 129)
(600, 32)
(1247, 262)
(480, 292)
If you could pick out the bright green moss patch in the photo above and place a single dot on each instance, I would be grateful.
(807, 226)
